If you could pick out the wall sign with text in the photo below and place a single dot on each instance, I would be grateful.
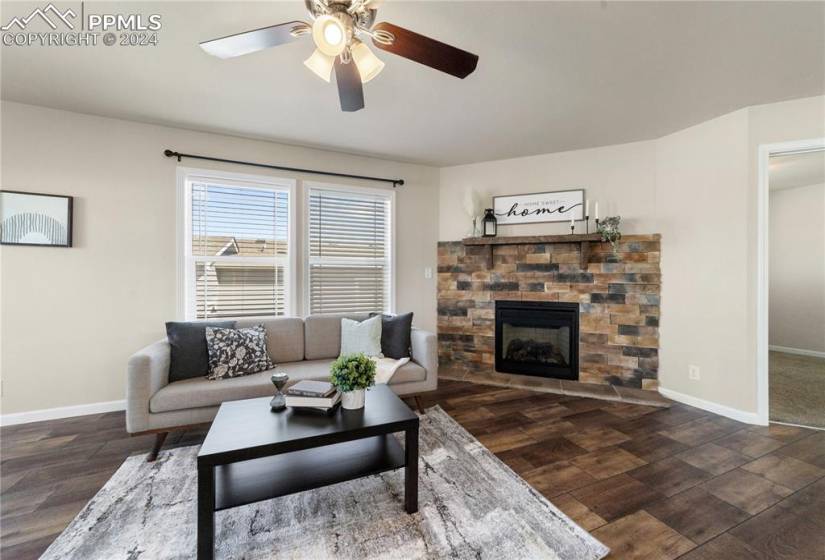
(536, 208)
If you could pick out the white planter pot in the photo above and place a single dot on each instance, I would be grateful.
(353, 400)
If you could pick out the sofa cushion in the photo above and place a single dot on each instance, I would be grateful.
(237, 352)
(361, 337)
(322, 334)
(409, 372)
(284, 337)
(189, 356)
(192, 393)
(396, 333)
(201, 392)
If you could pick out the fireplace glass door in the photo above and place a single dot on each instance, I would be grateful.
(537, 338)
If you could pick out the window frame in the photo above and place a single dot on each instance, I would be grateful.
(185, 292)
(308, 187)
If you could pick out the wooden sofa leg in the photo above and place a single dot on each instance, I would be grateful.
(160, 437)
(418, 404)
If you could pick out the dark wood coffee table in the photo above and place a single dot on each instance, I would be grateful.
(252, 454)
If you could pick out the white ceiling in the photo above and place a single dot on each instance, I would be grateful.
(797, 170)
(551, 76)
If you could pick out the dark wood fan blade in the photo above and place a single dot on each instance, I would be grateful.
(350, 91)
(256, 40)
(426, 51)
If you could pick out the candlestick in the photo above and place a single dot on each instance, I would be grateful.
(572, 228)
(587, 207)
(587, 224)
(597, 212)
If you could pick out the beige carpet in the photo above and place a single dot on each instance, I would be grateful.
(797, 389)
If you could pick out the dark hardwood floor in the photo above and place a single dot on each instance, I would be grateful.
(650, 483)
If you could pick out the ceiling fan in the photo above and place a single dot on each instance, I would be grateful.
(337, 29)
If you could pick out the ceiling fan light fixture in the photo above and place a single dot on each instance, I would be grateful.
(320, 64)
(369, 65)
(329, 34)
(336, 28)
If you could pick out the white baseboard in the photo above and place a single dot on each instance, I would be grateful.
(798, 351)
(797, 425)
(61, 412)
(720, 409)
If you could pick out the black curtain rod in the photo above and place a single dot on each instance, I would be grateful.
(395, 182)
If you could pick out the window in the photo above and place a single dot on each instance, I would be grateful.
(237, 247)
(349, 247)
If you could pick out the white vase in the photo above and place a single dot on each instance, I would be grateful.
(353, 400)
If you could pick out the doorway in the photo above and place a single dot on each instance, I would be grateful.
(793, 225)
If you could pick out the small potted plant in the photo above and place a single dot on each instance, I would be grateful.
(609, 230)
(352, 374)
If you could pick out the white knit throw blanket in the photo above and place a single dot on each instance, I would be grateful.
(385, 368)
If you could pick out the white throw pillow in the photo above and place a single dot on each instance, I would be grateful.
(363, 337)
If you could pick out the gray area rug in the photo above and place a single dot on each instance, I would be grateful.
(471, 505)
(797, 389)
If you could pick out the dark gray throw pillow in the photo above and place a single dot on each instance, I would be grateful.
(237, 352)
(190, 356)
(396, 335)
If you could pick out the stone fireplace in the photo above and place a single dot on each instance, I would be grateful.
(616, 297)
(539, 338)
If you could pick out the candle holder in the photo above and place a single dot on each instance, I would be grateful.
(587, 224)
(597, 224)
(572, 229)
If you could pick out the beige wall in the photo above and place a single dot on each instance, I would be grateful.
(797, 268)
(697, 187)
(702, 183)
(71, 317)
(621, 178)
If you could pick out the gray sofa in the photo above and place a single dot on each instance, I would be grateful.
(303, 348)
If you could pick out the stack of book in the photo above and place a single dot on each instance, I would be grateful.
(319, 396)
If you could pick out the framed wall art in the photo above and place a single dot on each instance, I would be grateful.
(35, 219)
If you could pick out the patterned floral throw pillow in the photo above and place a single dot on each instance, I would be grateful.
(236, 352)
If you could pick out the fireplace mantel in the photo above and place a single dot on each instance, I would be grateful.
(582, 239)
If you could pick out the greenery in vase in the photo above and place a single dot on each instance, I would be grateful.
(609, 230)
(352, 372)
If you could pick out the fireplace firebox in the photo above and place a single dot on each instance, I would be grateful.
(538, 338)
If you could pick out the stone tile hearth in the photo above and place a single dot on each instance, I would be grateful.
(559, 386)
(618, 296)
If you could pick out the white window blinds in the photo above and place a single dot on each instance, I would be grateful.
(349, 251)
(239, 253)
